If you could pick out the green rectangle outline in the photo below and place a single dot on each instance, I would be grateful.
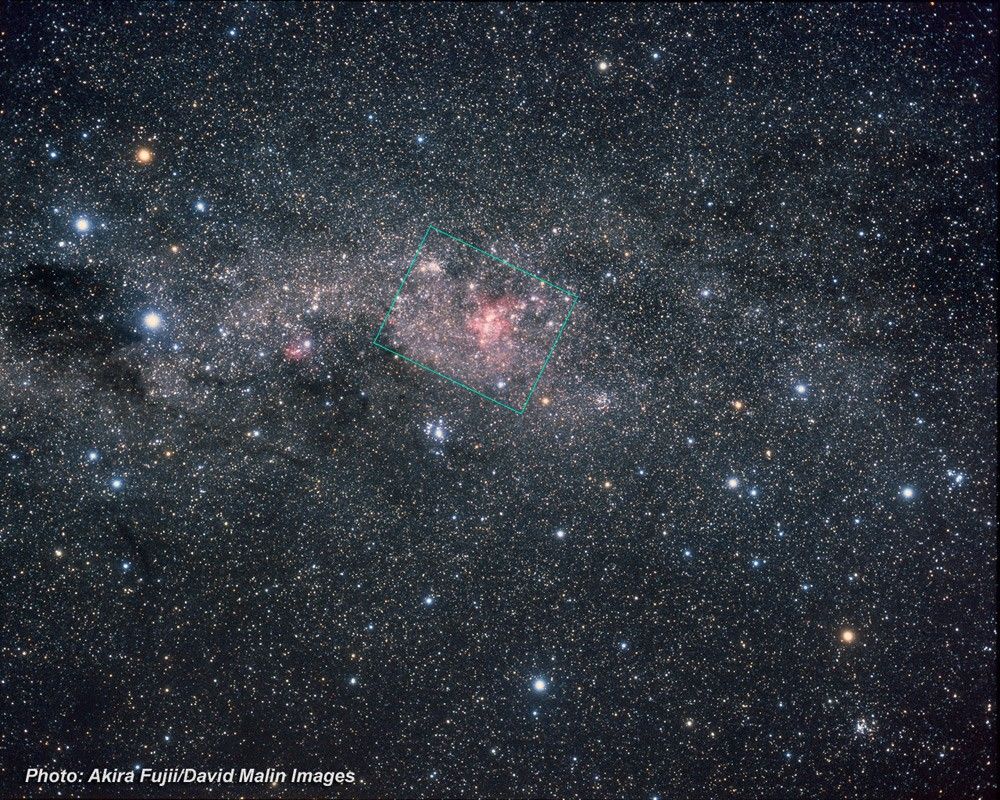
(457, 382)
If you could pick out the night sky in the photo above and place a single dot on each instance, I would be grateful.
(742, 540)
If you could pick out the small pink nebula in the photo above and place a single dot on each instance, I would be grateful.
(492, 321)
(298, 348)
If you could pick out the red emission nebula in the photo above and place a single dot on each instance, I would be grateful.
(493, 321)
(476, 320)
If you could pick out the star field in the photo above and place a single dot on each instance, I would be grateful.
(742, 541)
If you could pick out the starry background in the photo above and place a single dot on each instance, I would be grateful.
(742, 542)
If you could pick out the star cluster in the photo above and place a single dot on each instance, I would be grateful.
(741, 543)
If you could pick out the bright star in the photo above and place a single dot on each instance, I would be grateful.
(82, 225)
(539, 685)
(152, 321)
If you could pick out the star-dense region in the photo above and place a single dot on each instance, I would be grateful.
(742, 541)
